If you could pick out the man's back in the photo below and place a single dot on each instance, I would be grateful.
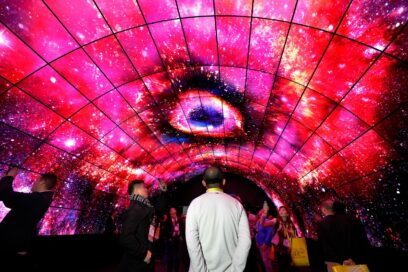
(342, 237)
(217, 233)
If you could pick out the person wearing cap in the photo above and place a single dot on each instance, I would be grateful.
(217, 229)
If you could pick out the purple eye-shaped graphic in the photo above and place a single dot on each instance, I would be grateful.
(202, 113)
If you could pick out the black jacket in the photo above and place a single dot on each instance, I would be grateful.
(342, 237)
(168, 228)
(134, 236)
(19, 226)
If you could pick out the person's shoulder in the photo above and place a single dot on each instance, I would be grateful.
(36, 197)
(355, 221)
(139, 208)
(226, 196)
(343, 221)
(233, 201)
(321, 221)
(196, 201)
(47, 194)
(327, 221)
(195, 204)
(345, 218)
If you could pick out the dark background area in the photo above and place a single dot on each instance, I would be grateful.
(103, 253)
(252, 196)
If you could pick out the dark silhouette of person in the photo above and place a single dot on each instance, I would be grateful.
(284, 229)
(140, 225)
(342, 238)
(138, 230)
(18, 227)
(172, 232)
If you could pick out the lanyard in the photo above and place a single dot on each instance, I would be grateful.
(212, 190)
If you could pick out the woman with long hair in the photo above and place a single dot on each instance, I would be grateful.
(284, 230)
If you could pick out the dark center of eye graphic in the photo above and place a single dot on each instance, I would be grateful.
(205, 115)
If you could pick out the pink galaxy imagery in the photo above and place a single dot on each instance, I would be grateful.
(301, 97)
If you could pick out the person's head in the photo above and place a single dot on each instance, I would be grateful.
(265, 210)
(137, 187)
(173, 212)
(283, 213)
(327, 207)
(339, 207)
(46, 182)
(213, 178)
(261, 213)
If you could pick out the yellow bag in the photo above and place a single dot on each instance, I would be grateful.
(298, 252)
(351, 268)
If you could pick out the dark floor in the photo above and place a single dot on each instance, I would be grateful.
(98, 253)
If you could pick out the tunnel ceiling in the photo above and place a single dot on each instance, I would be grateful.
(288, 93)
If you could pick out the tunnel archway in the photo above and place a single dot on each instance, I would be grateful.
(304, 98)
(249, 193)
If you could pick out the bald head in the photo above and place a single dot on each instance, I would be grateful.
(213, 177)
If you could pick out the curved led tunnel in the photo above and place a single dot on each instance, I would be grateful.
(304, 98)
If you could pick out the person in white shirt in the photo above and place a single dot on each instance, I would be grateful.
(217, 229)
